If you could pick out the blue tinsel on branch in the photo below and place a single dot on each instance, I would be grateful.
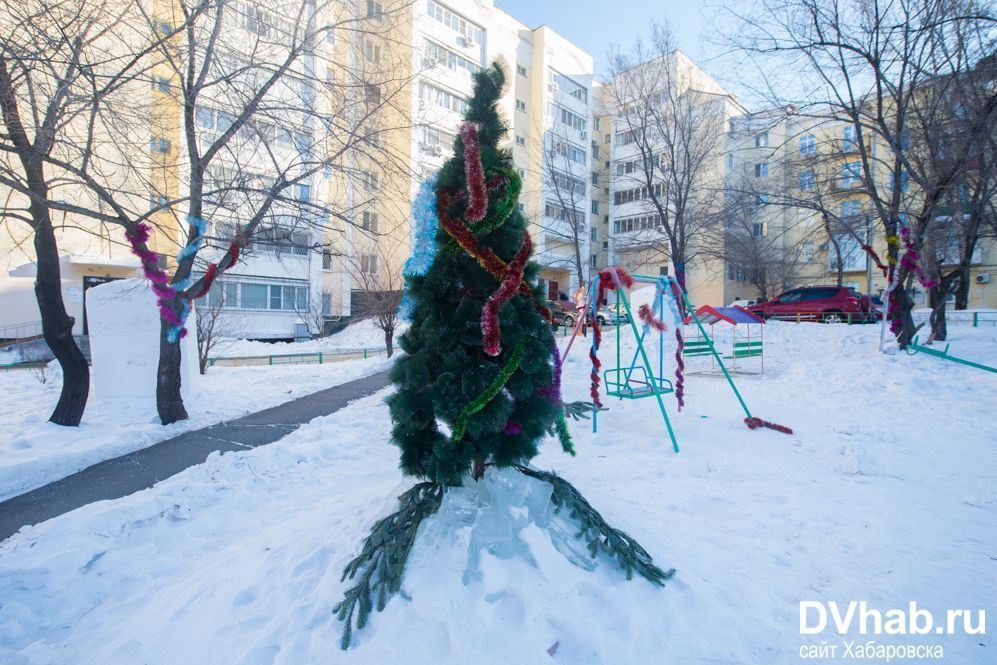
(425, 224)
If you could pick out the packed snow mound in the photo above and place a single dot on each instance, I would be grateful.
(363, 334)
(490, 579)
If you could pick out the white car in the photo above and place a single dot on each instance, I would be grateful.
(742, 303)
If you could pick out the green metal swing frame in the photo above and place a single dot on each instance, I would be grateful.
(619, 380)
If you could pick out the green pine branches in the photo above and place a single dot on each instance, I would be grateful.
(628, 553)
(382, 560)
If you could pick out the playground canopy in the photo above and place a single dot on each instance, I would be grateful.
(732, 315)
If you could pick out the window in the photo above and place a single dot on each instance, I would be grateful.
(569, 87)
(159, 145)
(850, 209)
(730, 161)
(595, 233)
(851, 174)
(626, 138)
(326, 259)
(372, 93)
(521, 70)
(441, 55)
(595, 179)
(569, 118)
(595, 150)
(663, 271)
(520, 139)
(849, 140)
(563, 214)
(808, 144)
(595, 260)
(256, 20)
(806, 251)
(607, 138)
(157, 201)
(448, 100)
(460, 24)
(368, 264)
(375, 10)
(761, 170)
(761, 200)
(303, 192)
(806, 181)
(758, 229)
(521, 105)
(595, 207)
(275, 296)
(372, 51)
(435, 141)
(596, 124)
(762, 140)
(161, 83)
(326, 304)
(369, 222)
(370, 181)
(254, 296)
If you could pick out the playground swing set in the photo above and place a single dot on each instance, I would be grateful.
(638, 379)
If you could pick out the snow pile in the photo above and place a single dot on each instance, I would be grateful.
(363, 334)
(238, 560)
(34, 451)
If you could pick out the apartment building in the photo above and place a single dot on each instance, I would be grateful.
(811, 210)
(636, 235)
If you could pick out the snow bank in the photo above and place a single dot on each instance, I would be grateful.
(357, 336)
(238, 560)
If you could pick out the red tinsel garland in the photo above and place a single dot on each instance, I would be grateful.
(679, 345)
(648, 317)
(610, 279)
(474, 174)
(489, 313)
(755, 423)
(875, 258)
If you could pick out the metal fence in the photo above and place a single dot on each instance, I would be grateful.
(316, 358)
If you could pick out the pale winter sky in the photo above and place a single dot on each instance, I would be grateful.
(595, 26)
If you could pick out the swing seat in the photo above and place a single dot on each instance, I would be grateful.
(627, 383)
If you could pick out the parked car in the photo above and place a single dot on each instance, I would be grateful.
(564, 312)
(742, 303)
(830, 304)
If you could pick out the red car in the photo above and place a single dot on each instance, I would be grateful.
(830, 304)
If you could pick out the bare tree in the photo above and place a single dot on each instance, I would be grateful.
(378, 284)
(62, 66)
(675, 119)
(888, 72)
(215, 327)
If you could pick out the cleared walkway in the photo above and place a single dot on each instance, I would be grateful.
(144, 468)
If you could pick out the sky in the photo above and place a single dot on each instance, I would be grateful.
(595, 26)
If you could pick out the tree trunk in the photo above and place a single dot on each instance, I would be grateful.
(962, 288)
(902, 316)
(57, 325)
(389, 342)
(478, 471)
(169, 403)
(936, 300)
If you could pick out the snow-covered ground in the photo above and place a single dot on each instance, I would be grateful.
(357, 336)
(34, 451)
(887, 492)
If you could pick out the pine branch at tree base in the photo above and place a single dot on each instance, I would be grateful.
(381, 562)
(600, 537)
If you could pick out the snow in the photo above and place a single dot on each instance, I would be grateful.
(885, 493)
(34, 452)
(363, 334)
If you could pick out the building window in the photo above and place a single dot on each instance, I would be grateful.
(808, 144)
(326, 304)
(663, 271)
(372, 93)
(460, 24)
(441, 55)
(254, 296)
(372, 51)
(326, 259)
(370, 181)
(369, 222)
(596, 124)
(761, 170)
(730, 161)
(758, 229)
(157, 201)
(161, 83)
(762, 140)
(595, 233)
(904, 181)
(368, 264)
(851, 174)
(595, 207)
(303, 192)
(608, 138)
(521, 70)
(159, 145)
(806, 251)
(521, 105)
(806, 181)
(375, 10)
(849, 141)
(441, 97)
(595, 260)
(850, 209)
(595, 179)
(520, 139)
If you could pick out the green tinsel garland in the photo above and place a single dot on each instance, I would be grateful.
(616, 544)
(505, 203)
(563, 435)
(479, 402)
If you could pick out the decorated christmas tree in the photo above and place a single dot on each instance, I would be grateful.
(478, 386)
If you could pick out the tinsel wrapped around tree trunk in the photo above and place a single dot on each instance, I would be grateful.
(479, 383)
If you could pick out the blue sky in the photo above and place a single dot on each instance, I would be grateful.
(594, 26)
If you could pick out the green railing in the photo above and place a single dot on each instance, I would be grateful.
(316, 358)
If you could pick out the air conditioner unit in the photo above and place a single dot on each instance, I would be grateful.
(552, 87)
(428, 62)
(422, 103)
(983, 278)
(437, 150)
(469, 43)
